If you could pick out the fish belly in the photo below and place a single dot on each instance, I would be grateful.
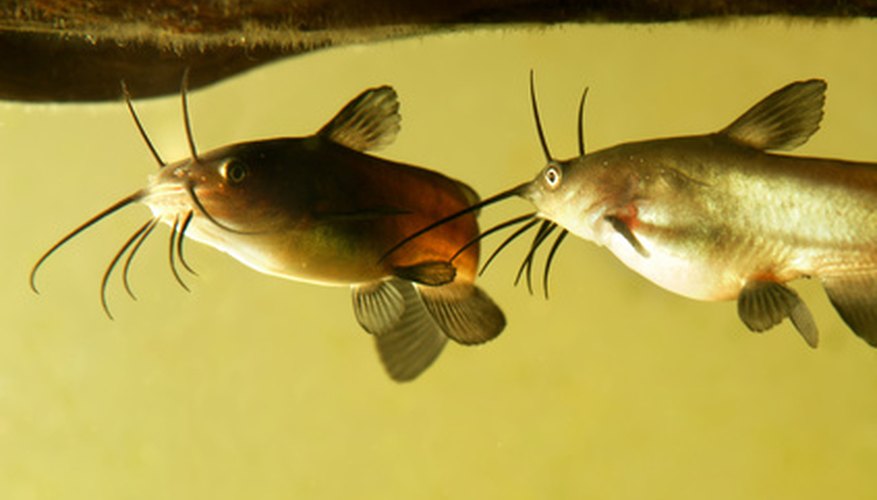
(685, 274)
(717, 262)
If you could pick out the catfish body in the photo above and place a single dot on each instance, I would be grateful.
(711, 214)
(312, 210)
(719, 217)
(319, 209)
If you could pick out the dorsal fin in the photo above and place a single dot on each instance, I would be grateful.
(369, 121)
(783, 120)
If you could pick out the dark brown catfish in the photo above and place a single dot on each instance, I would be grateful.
(318, 209)
(719, 217)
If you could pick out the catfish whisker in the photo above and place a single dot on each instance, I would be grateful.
(171, 249)
(498, 227)
(515, 191)
(132, 198)
(180, 238)
(143, 134)
(190, 188)
(187, 121)
(550, 259)
(152, 224)
(581, 127)
(505, 243)
(106, 277)
(528, 257)
(542, 142)
(544, 231)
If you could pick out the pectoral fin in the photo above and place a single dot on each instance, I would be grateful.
(763, 304)
(432, 273)
(624, 230)
(370, 121)
(855, 298)
(407, 339)
(783, 120)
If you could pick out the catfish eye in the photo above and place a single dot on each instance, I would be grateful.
(552, 176)
(234, 171)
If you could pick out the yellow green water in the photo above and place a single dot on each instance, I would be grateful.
(255, 387)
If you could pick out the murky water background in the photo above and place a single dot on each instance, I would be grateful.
(255, 387)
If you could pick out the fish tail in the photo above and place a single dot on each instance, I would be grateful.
(463, 311)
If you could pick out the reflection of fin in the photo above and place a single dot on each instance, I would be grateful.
(407, 339)
(763, 304)
(855, 298)
(621, 227)
(783, 120)
(433, 273)
(369, 121)
(464, 312)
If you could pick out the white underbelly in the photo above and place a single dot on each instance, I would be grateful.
(693, 278)
(247, 250)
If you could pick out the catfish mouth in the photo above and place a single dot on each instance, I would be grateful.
(166, 197)
(176, 192)
(174, 203)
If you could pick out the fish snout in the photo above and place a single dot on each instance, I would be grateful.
(187, 173)
(174, 173)
(184, 177)
(169, 189)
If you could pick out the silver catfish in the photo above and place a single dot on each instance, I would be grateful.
(721, 217)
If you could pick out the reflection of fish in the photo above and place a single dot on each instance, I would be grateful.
(717, 217)
(318, 209)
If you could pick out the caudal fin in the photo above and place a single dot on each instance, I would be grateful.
(464, 312)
